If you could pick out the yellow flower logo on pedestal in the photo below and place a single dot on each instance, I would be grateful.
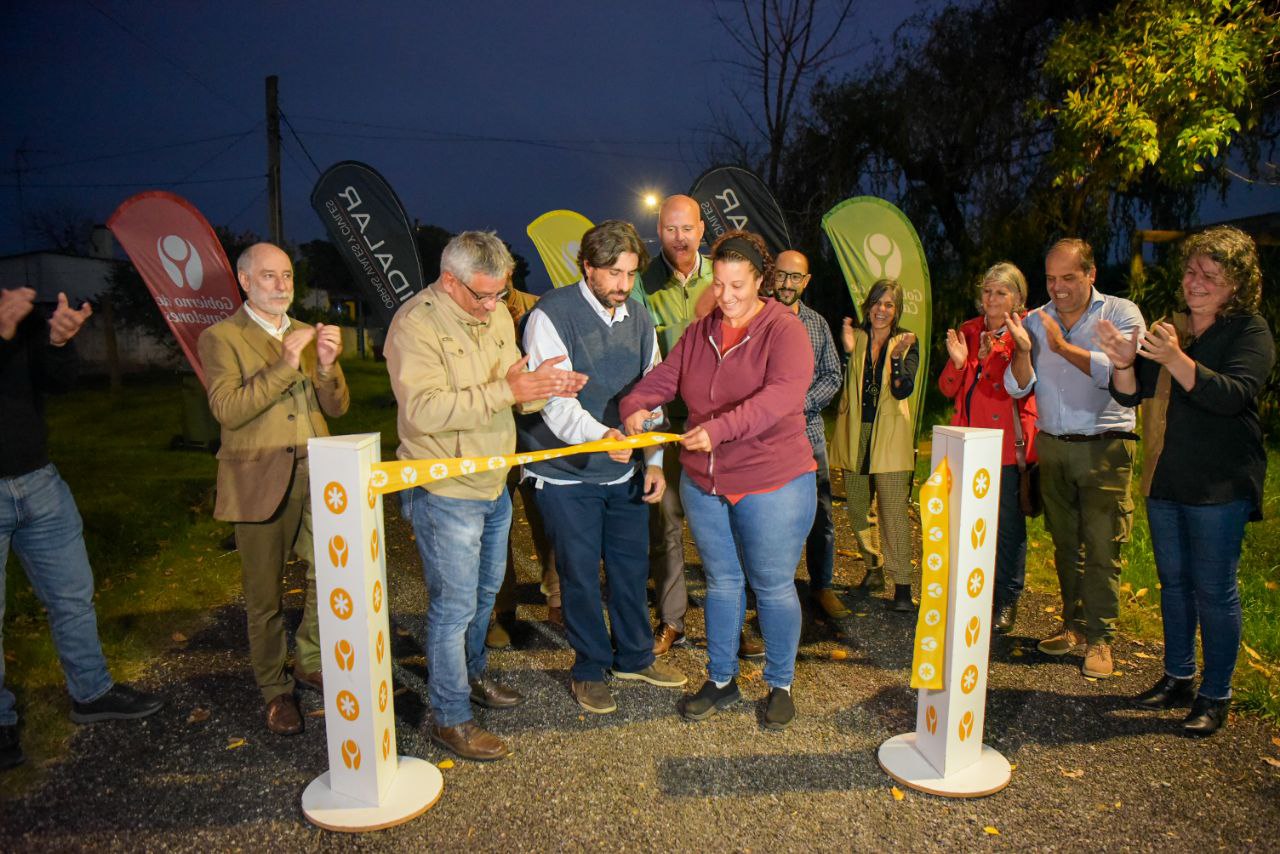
(382, 696)
(341, 604)
(338, 551)
(335, 497)
(386, 743)
(978, 535)
(348, 705)
(373, 544)
(931, 720)
(971, 631)
(966, 726)
(351, 754)
(969, 679)
(344, 654)
(981, 483)
(371, 496)
(377, 596)
(379, 647)
(976, 582)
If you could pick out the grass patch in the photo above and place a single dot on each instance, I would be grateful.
(155, 548)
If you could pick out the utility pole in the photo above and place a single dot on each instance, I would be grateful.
(275, 216)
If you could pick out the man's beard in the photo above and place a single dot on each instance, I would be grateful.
(780, 294)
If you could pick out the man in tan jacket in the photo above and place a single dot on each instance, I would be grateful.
(271, 382)
(456, 371)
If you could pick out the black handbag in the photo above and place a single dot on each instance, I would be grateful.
(1029, 499)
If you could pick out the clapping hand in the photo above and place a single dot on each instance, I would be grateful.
(903, 345)
(1160, 344)
(66, 321)
(1018, 332)
(546, 381)
(846, 335)
(295, 342)
(957, 349)
(328, 344)
(15, 305)
(1115, 345)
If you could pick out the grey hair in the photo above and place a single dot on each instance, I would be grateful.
(474, 252)
(244, 263)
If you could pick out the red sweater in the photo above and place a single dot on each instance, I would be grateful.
(989, 405)
(750, 400)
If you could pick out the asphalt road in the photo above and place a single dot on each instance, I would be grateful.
(1090, 772)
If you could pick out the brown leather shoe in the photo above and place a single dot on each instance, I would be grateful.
(555, 616)
(749, 647)
(314, 681)
(491, 694)
(283, 716)
(499, 634)
(470, 741)
(666, 637)
(830, 603)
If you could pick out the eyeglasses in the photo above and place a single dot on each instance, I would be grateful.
(782, 277)
(498, 297)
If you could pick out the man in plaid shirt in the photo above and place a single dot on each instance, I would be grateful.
(791, 277)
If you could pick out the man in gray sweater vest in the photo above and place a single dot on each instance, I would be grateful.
(594, 504)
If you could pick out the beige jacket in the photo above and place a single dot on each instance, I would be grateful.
(892, 435)
(267, 410)
(449, 374)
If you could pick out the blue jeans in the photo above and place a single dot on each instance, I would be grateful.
(587, 522)
(820, 545)
(768, 531)
(39, 517)
(1197, 549)
(1011, 541)
(463, 546)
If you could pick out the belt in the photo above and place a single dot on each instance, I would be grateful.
(1093, 437)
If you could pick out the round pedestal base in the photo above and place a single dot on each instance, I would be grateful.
(903, 762)
(415, 789)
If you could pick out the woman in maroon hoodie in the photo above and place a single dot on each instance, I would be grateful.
(748, 486)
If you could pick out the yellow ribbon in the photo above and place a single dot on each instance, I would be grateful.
(396, 475)
(931, 625)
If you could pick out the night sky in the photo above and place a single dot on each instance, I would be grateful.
(608, 100)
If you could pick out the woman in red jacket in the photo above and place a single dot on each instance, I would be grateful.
(748, 487)
(974, 377)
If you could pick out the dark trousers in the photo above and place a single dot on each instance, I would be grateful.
(1011, 541)
(589, 522)
(820, 545)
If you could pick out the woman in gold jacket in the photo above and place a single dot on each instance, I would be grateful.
(874, 437)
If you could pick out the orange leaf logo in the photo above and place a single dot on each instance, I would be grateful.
(966, 726)
(345, 655)
(386, 743)
(373, 544)
(348, 706)
(978, 535)
(338, 551)
(382, 696)
(335, 497)
(379, 647)
(931, 720)
(969, 679)
(377, 596)
(972, 631)
(340, 602)
(976, 582)
(371, 496)
(981, 483)
(351, 754)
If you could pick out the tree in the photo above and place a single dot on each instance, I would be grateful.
(1155, 91)
(787, 43)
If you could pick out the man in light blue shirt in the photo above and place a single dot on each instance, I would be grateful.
(1085, 444)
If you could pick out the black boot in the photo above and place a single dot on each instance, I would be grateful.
(902, 599)
(1170, 691)
(1207, 716)
(872, 582)
(709, 700)
(1006, 615)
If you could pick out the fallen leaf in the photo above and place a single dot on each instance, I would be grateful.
(402, 632)
(293, 591)
(1272, 761)
(897, 793)
(233, 743)
(1050, 609)
(1119, 804)
(1017, 652)
(1259, 667)
(839, 655)
(316, 713)
(403, 689)
(445, 765)
(197, 715)
(1126, 587)
(845, 552)
(859, 613)
(990, 831)
(1272, 585)
(1013, 766)
(1142, 655)
(1074, 775)
(1142, 591)
(178, 637)
(1252, 652)
(1276, 742)
(1117, 673)
(414, 661)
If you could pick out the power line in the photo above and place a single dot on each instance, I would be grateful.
(298, 139)
(244, 210)
(149, 150)
(160, 53)
(219, 152)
